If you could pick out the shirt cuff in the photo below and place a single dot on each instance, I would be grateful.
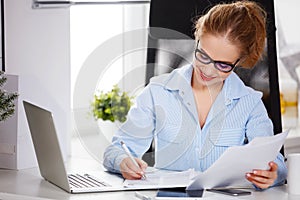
(118, 161)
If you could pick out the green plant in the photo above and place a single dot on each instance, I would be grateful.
(113, 105)
(7, 106)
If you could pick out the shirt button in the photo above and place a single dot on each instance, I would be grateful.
(198, 152)
(188, 103)
(228, 101)
(182, 92)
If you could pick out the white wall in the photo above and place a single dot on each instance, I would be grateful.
(287, 12)
(135, 18)
(38, 50)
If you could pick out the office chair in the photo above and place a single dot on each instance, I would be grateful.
(175, 49)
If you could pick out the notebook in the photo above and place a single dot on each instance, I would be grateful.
(50, 159)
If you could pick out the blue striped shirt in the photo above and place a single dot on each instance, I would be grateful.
(166, 112)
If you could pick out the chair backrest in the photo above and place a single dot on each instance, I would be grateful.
(175, 49)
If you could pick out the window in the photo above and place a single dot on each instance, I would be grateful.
(103, 55)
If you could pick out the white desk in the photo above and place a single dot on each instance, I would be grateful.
(30, 185)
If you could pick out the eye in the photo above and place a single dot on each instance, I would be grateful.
(204, 58)
(223, 66)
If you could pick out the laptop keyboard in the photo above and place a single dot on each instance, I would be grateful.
(85, 181)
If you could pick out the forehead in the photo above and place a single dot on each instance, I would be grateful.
(219, 48)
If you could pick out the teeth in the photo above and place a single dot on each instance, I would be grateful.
(206, 76)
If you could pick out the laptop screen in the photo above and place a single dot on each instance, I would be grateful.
(46, 145)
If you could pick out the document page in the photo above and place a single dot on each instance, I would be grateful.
(162, 179)
(235, 162)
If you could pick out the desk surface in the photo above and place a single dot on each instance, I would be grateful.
(28, 184)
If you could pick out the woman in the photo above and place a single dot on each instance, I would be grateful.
(196, 112)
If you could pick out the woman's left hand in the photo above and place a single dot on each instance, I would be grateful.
(263, 178)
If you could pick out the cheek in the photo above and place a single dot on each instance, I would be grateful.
(207, 69)
(223, 75)
(196, 64)
(197, 67)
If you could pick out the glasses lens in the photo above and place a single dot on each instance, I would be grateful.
(202, 57)
(223, 66)
(205, 59)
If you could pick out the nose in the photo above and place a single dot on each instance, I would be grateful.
(209, 69)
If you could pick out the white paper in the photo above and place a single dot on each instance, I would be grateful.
(230, 169)
(162, 179)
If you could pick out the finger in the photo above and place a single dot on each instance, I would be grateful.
(129, 170)
(131, 165)
(260, 185)
(265, 174)
(259, 181)
(271, 173)
(129, 174)
(143, 165)
(273, 166)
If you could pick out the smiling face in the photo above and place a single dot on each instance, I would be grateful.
(218, 48)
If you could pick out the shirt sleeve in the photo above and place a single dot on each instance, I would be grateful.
(259, 124)
(136, 132)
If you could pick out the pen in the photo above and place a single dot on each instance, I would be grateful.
(131, 157)
(141, 196)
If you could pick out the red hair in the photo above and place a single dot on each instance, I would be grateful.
(243, 23)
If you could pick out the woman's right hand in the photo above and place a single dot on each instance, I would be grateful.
(130, 171)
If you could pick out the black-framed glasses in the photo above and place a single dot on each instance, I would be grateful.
(222, 66)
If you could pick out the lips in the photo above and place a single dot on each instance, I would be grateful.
(205, 78)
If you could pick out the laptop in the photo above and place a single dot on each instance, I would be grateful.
(50, 159)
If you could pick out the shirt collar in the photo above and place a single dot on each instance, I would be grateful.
(180, 79)
(234, 87)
